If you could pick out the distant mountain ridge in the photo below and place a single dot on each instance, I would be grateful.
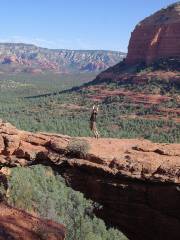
(28, 57)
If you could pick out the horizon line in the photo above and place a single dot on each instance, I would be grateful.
(60, 49)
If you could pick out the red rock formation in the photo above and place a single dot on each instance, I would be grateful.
(17, 224)
(10, 59)
(156, 36)
(136, 181)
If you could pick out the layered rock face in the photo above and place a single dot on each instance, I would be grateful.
(157, 36)
(137, 182)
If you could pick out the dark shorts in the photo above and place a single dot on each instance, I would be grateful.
(93, 126)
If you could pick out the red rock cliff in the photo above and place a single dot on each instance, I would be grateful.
(156, 36)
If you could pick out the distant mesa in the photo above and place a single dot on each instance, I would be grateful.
(57, 60)
(157, 36)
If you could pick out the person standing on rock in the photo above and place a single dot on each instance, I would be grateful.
(93, 118)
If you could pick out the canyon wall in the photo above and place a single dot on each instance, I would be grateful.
(141, 210)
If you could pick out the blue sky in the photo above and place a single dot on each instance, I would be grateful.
(74, 24)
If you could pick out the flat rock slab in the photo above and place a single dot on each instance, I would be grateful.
(133, 158)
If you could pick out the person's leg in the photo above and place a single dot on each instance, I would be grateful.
(91, 125)
(97, 134)
(96, 131)
(92, 128)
